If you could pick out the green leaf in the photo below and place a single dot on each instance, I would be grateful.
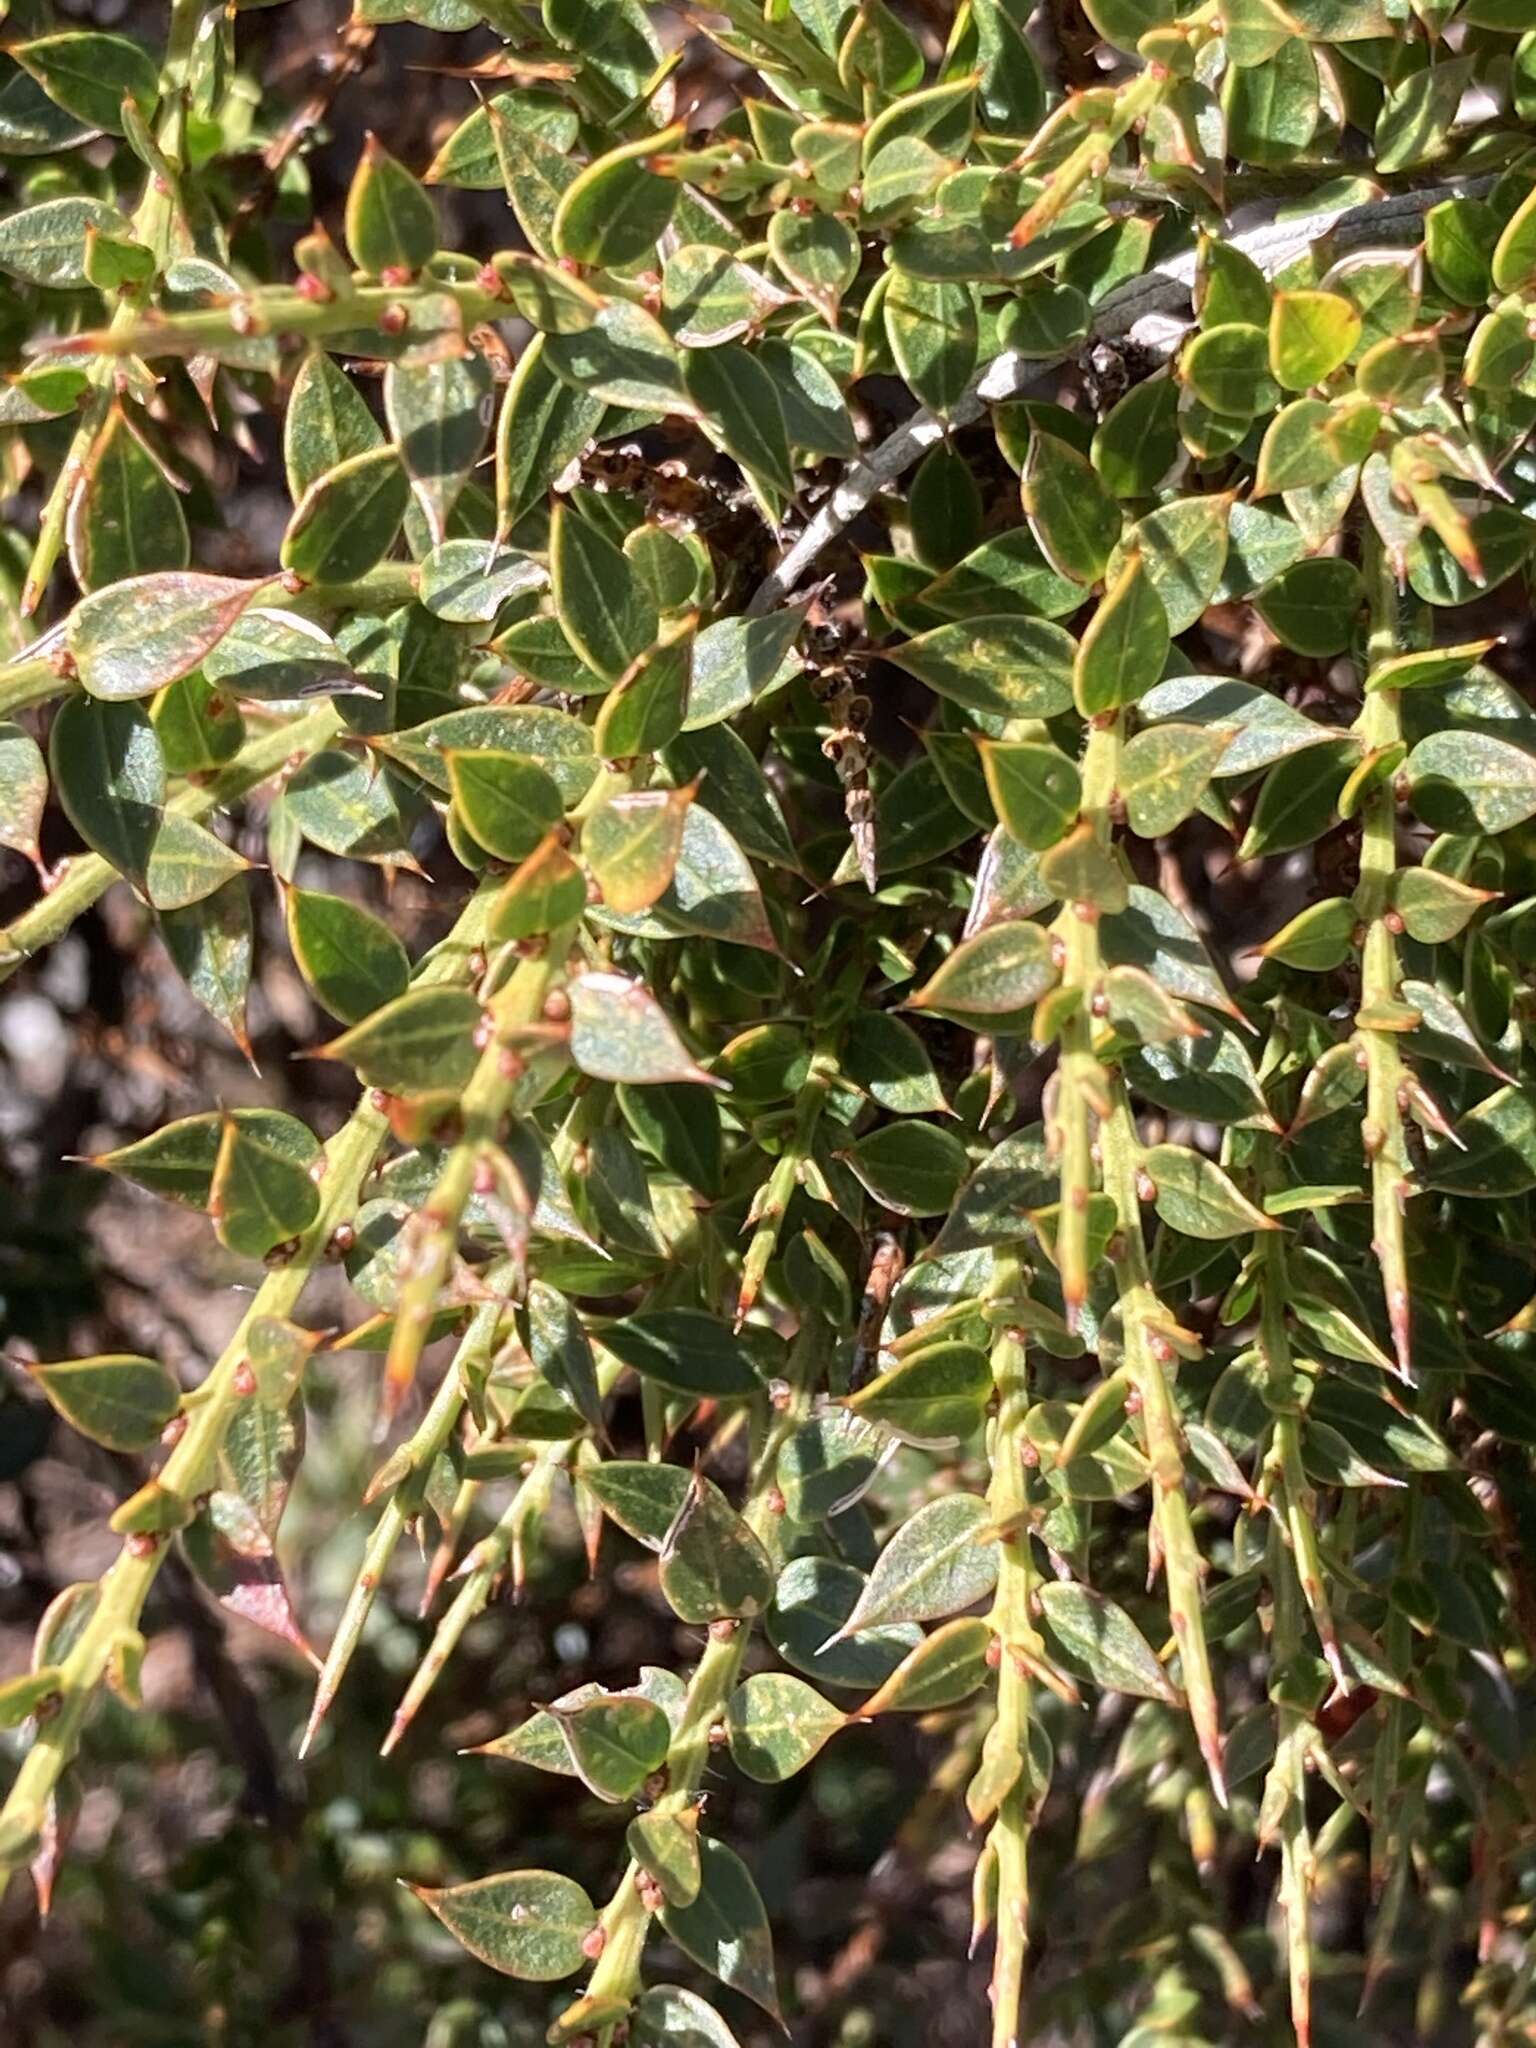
(816, 415)
(776, 1724)
(1003, 665)
(1230, 286)
(1227, 368)
(89, 74)
(347, 519)
(1465, 780)
(1210, 1078)
(619, 1032)
(271, 654)
(1310, 442)
(617, 209)
(646, 711)
(667, 2017)
(1017, 1176)
(737, 660)
(1317, 939)
(814, 1598)
(1298, 802)
(1164, 772)
(626, 357)
(944, 1669)
(686, 1351)
(913, 1168)
(666, 1846)
(134, 637)
(391, 221)
(1183, 545)
(1312, 605)
(543, 425)
(547, 890)
(632, 843)
(125, 520)
(1435, 907)
(1138, 443)
(508, 801)
(731, 783)
(712, 1565)
(739, 400)
(1514, 254)
(1415, 120)
(260, 1196)
(713, 891)
(1272, 107)
(178, 1161)
(725, 1930)
(615, 1742)
(118, 1400)
(422, 1042)
(1074, 518)
(1495, 1152)
(818, 254)
(1037, 791)
(348, 805)
(46, 244)
(526, 1923)
(558, 742)
(886, 1058)
(708, 297)
(1459, 239)
(187, 863)
(995, 976)
(607, 613)
(1261, 728)
(1100, 1640)
(681, 1127)
(327, 423)
(1310, 334)
(557, 1344)
(1154, 934)
(109, 775)
(351, 959)
(23, 790)
(933, 331)
(1195, 1197)
(1123, 651)
(1428, 666)
(945, 508)
(469, 158)
(937, 1562)
(439, 413)
(939, 1391)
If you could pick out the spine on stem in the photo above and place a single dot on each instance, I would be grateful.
(168, 1499)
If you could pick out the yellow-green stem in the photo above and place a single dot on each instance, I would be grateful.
(626, 1918)
(502, 1081)
(188, 1469)
(1383, 1132)
(1008, 1499)
(152, 221)
(1091, 156)
(1286, 1482)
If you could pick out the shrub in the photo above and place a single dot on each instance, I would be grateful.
(860, 597)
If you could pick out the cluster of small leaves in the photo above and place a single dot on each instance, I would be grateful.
(1012, 1301)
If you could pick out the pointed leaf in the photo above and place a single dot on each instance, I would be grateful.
(118, 1399)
